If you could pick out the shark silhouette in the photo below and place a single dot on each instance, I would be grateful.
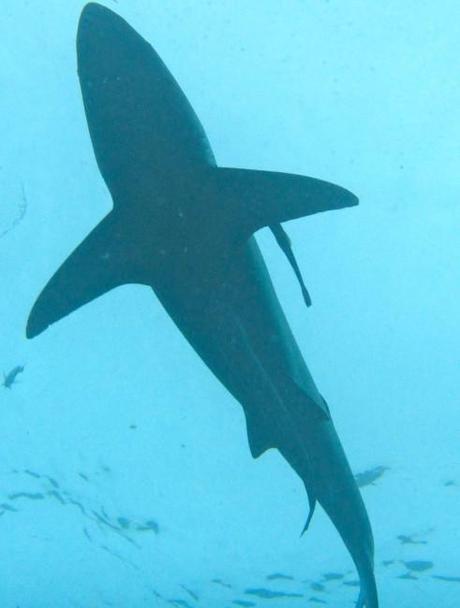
(184, 227)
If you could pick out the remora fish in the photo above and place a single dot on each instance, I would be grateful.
(184, 227)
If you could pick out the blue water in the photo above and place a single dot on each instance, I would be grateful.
(126, 478)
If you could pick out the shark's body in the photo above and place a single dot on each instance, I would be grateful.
(184, 227)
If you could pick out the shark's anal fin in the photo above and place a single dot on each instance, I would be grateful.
(284, 242)
(257, 199)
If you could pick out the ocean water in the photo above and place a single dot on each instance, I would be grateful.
(126, 477)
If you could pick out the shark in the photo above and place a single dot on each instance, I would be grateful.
(184, 226)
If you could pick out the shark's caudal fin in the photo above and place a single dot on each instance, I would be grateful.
(104, 260)
(140, 122)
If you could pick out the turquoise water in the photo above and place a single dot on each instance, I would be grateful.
(126, 478)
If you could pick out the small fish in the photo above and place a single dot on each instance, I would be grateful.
(124, 522)
(351, 583)
(10, 378)
(388, 562)
(317, 586)
(367, 478)
(52, 481)
(30, 495)
(191, 593)
(32, 473)
(243, 603)
(332, 576)
(180, 603)
(407, 576)
(418, 565)
(6, 507)
(450, 482)
(317, 600)
(219, 581)
(268, 594)
(449, 579)
(409, 540)
(150, 525)
(279, 576)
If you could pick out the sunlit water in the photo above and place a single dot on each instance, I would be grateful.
(126, 478)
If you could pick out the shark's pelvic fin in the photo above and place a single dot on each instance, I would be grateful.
(104, 260)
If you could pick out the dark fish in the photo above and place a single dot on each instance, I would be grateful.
(243, 603)
(30, 495)
(191, 593)
(317, 586)
(279, 576)
(32, 473)
(6, 507)
(149, 526)
(268, 594)
(180, 603)
(10, 378)
(332, 576)
(408, 576)
(367, 478)
(418, 565)
(124, 522)
(219, 581)
(351, 583)
(409, 540)
(449, 579)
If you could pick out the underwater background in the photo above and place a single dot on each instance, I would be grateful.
(125, 474)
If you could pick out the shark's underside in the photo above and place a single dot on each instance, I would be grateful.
(184, 227)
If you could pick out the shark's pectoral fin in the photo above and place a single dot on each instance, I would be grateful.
(265, 198)
(101, 262)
